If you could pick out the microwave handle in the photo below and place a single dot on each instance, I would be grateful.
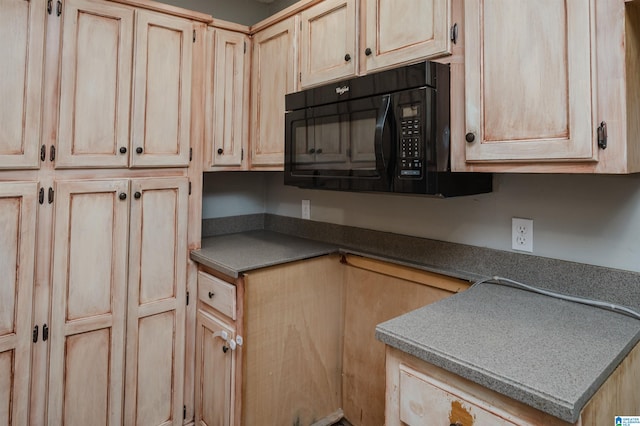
(381, 123)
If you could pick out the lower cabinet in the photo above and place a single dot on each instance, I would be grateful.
(118, 298)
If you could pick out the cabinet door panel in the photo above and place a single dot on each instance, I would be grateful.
(401, 31)
(162, 91)
(528, 95)
(97, 45)
(88, 302)
(215, 370)
(156, 304)
(273, 76)
(226, 127)
(328, 35)
(17, 253)
(22, 25)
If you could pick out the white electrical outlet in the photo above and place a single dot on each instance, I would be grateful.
(306, 209)
(522, 234)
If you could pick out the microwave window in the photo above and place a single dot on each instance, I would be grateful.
(337, 142)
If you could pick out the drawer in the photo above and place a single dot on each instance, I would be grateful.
(218, 294)
(424, 401)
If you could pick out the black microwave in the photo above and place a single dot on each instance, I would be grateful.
(382, 132)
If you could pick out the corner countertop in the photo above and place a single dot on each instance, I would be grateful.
(548, 353)
(234, 254)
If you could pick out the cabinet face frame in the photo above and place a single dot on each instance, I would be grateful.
(385, 24)
(95, 97)
(327, 35)
(22, 28)
(161, 120)
(18, 220)
(576, 139)
(227, 99)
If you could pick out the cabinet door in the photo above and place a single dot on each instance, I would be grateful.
(227, 108)
(22, 25)
(273, 74)
(528, 91)
(17, 253)
(95, 85)
(161, 90)
(328, 48)
(215, 370)
(401, 31)
(88, 302)
(156, 302)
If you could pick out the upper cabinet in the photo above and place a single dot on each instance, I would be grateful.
(124, 95)
(227, 99)
(273, 75)
(402, 31)
(22, 26)
(328, 42)
(529, 95)
(559, 94)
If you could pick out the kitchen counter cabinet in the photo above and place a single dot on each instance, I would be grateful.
(22, 29)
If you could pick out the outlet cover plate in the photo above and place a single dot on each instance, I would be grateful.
(306, 209)
(522, 234)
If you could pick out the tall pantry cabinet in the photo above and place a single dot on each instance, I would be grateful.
(94, 203)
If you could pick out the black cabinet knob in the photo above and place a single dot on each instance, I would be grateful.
(139, 150)
(368, 51)
(122, 196)
(137, 195)
(319, 151)
(470, 137)
(347, 57)
(211, 294)
(312, 151)
(220, 151)
(123, 150)
(225, 349)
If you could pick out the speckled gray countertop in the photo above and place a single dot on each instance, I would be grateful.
(548, 353)
(234, 254)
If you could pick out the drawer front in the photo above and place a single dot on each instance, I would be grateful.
(218, 294)
(427, 402)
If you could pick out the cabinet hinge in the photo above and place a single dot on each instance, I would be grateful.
(300, 76)
(34, 334)
(190, 154)
(602, 135)
(194, 36)
(241, 154)
(45, 332)
(59, 8)
(454, 33)
(189, 187)
(184, 412)
(43, 152)
(41, 196)
(50, 199)
(187, 298)
(52, 153)
(49, 6)
(245, 47)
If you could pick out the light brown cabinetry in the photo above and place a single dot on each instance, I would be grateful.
(419, 393)
(529, 96)
(273, 74)
(22, 26)
(328, 42)
(103, 229)
(558, 95)
(216, 346)
(227, 99)
(18, 202)
(124, 94)
(402, 31)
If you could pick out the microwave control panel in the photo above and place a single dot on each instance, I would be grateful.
(410, 155)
